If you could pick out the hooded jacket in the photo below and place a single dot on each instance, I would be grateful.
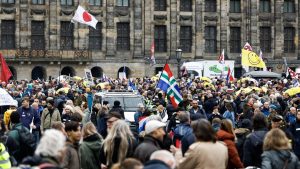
(89, 152)
(146, 148)
(233, 155)
(279, 159)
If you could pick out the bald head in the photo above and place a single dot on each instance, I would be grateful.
(164, 156)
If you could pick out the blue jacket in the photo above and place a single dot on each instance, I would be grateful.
(290, 118)
(27, 115)
(295, 130)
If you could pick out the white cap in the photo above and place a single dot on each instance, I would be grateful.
(153, 125)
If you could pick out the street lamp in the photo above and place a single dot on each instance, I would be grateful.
(178, 57)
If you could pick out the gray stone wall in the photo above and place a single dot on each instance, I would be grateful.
(142, 18)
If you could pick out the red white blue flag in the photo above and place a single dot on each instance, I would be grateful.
(229, 76)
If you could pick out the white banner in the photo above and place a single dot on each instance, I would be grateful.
(215, 69)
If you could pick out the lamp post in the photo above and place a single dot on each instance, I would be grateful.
(178, 57)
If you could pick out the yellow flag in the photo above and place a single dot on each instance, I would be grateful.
(250, 58)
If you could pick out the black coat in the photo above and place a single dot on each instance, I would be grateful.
(146, 148)
(295, 131)
(199, 114)
(118, 109)
(253, 148)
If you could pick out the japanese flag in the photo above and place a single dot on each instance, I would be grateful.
(82, 16)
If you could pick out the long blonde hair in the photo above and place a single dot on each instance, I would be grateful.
(89, 129)
(120, 129)
(276, 140)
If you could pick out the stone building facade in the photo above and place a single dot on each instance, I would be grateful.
(38, 40)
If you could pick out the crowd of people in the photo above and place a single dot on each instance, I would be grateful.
(217, 125)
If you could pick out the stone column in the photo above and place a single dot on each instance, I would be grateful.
(137, 21)
(111, 33)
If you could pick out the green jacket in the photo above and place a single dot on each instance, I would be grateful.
(14, 134)
(47, 119)
(89, 152)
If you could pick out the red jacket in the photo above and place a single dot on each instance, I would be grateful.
(234, 160)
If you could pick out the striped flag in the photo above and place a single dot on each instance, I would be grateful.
(229, 77)
(168, 84)
(222, 57)
(152, 51)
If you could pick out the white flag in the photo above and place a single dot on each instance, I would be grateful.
(261, 57)
(82, 16)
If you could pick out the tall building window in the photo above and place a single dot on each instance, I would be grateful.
(289, 39)
(210, 6)
(289, 6)
(265, 39)
(210, 39)
(160, 5)
(95, 2)
(265, 6)
(235, 6)
(7, 1)
(185, 5)
(186, 38)
(66, 2)
(95, 37)
(123, 36)
(235, 39)
(8, 34)
(37, 35)
(122, 2)
(66, 35)
(38, 2)
(160, 38)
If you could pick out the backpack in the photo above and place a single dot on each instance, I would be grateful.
(27, 141)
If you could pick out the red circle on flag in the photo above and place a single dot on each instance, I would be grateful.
(86, 16)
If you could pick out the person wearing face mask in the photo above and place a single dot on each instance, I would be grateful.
(49, 115)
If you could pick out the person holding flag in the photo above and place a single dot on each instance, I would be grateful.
(167, 83)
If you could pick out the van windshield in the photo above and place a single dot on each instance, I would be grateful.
(127, 103)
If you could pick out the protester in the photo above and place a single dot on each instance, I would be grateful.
(152, 141)
(277, 152)
(90, 147)
(128, 163)
(253, 146)
(119, 144)
(71, 160)
(206, 150)
(49, 115)
(226, 134)
(196, 111)
(50, 151)
(117, 108)
(161, 159)
(182, 129)
(295, 131)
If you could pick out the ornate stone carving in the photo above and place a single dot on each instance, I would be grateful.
(66, 12)
(210, 18)
(160, 17)
(121, 11)
(289, 18)
(38, 11)
(235, 18)
(8, 10)
(96, 12)
(185, 18)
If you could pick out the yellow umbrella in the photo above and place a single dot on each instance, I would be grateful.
(154, 78)
(293, 91)
(207, 84)
(77, 78)
(102, 85)
(205, 79)
(246, 90)
(64, 89)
